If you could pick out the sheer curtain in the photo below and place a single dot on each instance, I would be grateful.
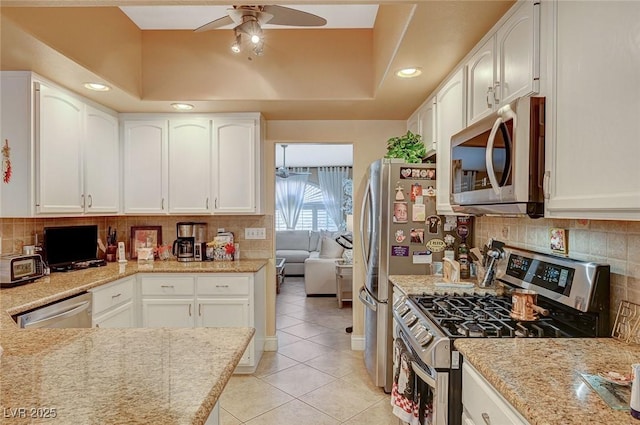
(290, 196)
(330, 179)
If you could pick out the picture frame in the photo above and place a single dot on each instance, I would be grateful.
(558, 241)
(144, 237)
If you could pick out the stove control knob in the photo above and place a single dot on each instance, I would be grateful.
(426, 339)
(403, 309)
(410, 319)
(417, 329)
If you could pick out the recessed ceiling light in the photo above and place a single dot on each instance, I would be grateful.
(97, 86)
(182, 106)
(409, 72)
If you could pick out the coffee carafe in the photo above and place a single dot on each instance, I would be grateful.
(200, 236)
(184, 246)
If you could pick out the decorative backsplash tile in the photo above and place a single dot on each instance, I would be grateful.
(17, 232)
(616, 243)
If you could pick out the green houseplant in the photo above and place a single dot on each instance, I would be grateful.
(408, 147)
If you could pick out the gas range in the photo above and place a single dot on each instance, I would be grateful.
(575, 293)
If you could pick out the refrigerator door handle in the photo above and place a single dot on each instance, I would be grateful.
(364, 297)
(366, 209)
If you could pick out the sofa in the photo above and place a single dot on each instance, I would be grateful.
(312, 254)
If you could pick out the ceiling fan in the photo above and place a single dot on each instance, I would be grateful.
(249, 21)
(283, 172)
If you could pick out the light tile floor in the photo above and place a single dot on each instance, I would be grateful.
(314, 378)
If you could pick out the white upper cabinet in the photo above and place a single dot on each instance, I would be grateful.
(60, 128)
(507, 64)
(450, 119)
(145, 167)
(101, 163)
(593, 130)
(237, 165)
(190, 166)
(423, 122)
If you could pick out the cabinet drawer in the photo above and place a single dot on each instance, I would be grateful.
(112, 294)
(167, 285)
(482, 403)
(223, 285)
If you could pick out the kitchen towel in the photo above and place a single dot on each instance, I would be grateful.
(404, 397)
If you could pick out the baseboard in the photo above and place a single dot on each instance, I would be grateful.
(271, 343)
(357, 342)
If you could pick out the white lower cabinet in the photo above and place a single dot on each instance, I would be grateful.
(482, 404)
(167, 313)
(220, 312)
(114, 304)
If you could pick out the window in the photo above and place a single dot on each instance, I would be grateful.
(313, 216)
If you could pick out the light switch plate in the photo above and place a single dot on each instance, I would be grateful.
(255, 233)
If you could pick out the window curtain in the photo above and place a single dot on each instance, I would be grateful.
(330, 179)
(290, 196)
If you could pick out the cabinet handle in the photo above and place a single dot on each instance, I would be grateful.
(97, 325)
(207, 207)
(545, 185)
(82, 196)
(490, 97)
(495, 92)
(90, 201)
(162, 204)
(222, 286)
(189, 310)
(486, 418)
(215, 203)
(166, 286)
(199, 309)
(115, 296)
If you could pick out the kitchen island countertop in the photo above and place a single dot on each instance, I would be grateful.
(113, 376)
(540, 377)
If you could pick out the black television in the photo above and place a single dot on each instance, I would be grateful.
(67, 245)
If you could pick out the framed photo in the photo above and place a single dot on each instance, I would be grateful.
(144, 237)
(558, 240)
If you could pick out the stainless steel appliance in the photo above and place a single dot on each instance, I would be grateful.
(200, 237)
(184, 246)
(400, 234)
(575, 293)
(72, 312)
(497, 164)
(17, 269)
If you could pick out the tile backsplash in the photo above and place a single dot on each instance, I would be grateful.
(17, 232)
(616, 243)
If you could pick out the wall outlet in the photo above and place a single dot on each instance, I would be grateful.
(255, 233)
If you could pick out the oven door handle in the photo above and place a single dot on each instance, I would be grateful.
(423, 375)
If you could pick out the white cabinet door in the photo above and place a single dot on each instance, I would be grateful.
(226, 312)
(169, 313)
(518, 53)
(120, 317)
(59, 158)
(413, 123)
(427, 117)
(101, 162)
(190, 166)
(450, 119)
(480, 82)
(236, 170)
(593, 129)
(145, 167)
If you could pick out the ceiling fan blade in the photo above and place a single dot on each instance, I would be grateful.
(239, 13)
(218, 23)
(287, 16)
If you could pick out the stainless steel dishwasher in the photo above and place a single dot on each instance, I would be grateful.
(73, 312)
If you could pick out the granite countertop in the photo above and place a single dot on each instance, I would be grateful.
(425, 284)
(113, 376)
(540, 377)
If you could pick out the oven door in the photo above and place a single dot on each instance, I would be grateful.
(433, 387)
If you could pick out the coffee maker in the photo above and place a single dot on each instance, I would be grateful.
(184, 246)
(200, 236)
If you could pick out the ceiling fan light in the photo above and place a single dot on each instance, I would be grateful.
(235, 47)
(255, 39)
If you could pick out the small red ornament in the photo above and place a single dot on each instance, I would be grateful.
(6, 162)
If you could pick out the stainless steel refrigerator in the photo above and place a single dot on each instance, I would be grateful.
(401, 234)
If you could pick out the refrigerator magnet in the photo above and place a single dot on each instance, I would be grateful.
(450, 223)
(417, 236)
(416, 190)
(400, 212)
(399, 251)
(420, 199)
(399, 193)
(433, 223)
(418, 212)
(431, 191)
(436, 245)
(400, 236)
(422, 257)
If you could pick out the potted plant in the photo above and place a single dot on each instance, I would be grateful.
(408, 147)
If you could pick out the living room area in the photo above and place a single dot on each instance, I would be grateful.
(314, 219)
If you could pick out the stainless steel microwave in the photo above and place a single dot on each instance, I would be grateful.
(497, 164)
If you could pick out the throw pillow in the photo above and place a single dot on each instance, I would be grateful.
(330, 248)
